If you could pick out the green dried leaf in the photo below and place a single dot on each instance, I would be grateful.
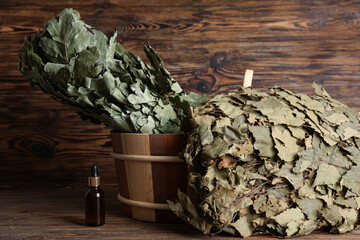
(229, 109)
(67, 36)
(286, 172)
(319, 90)
(279, 113)
(350, 217)
(288, 216)
(205, 134)
(307, 227)
(337, 118)
(243, 227)
(332, 214)
(216, 149)
(348, 130)
(297, 132)
(349, 202)
(28, 57)
(221, 123)
(204, 120)
(139, 96)
(112, 48)
(327, 175)
(284, 142)
(312, 157)
(192, 217)
(85, 64)
(231, 135)
(263, 141)
(310, 207)
(351, 180)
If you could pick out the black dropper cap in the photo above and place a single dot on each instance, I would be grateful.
(94, 171)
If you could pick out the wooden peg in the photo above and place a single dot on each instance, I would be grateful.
(248, 78)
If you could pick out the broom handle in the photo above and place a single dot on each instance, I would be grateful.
(248, 78)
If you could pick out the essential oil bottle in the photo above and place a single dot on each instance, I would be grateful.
(94, 200)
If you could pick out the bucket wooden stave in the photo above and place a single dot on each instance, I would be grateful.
(149, 172)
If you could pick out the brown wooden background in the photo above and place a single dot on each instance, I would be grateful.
(206, 45)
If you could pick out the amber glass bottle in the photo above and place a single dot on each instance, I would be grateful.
(94, 200)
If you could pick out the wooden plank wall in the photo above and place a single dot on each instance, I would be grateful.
(206, 45)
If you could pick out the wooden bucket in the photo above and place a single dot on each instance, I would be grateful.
(149, 172)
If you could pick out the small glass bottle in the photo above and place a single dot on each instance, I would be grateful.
(94, 200)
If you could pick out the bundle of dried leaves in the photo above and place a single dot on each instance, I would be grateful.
(81, 67)
(278, 162)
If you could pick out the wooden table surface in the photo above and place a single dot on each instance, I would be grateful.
(46, 150)
(34, 214)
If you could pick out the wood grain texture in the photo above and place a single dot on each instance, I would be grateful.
(166, 179)
(123, 187)
(48, 213)
(206, 45)
(139, 174)
(147, 181)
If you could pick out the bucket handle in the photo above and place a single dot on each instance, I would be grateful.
(159, 206)
(146, 158)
